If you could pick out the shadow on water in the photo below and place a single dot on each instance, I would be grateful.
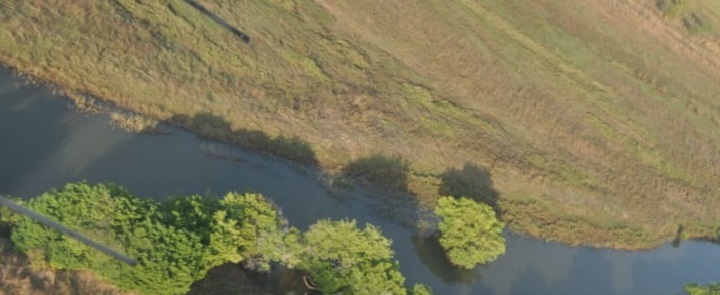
(199, 7)
(388, 193)
(213, 127)
(432, 255)
(472, 181)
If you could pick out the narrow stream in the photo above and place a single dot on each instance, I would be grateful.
(44, 145)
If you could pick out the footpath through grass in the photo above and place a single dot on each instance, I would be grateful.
(598, 121)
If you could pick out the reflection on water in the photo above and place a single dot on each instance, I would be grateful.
(42, 145)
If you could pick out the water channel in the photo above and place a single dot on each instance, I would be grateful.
(44, 144)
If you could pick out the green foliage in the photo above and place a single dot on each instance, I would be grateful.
(175, 242)
(420, 289)
(252, 223)
(178, 241)
(8, 218)
(469, 232)
(342, 257)
(695, 289)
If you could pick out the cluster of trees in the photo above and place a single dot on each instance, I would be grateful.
(178, 240)
(470, 232)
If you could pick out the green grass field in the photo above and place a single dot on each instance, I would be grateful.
(598, 120)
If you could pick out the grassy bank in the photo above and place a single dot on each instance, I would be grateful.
(597, 120)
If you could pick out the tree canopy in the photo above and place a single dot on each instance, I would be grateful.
(470, 232)
(177, 241)
(342, 257)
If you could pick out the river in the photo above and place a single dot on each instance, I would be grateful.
(44, 144)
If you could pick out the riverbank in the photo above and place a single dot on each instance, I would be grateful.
(586, 142)
(56, 145)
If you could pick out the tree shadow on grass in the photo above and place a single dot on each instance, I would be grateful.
(213, 127)
(473, 182)
(389, 194)
(388, 173)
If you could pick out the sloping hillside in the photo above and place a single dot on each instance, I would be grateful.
(599, 119)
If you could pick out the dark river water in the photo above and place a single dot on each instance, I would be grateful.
(43, 145)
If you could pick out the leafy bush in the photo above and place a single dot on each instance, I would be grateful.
(470, 233)
(342, 257)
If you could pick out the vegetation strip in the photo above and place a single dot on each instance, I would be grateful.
(177, 241)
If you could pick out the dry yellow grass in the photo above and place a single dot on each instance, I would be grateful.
(599, 120)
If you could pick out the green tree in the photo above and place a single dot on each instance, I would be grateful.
(695, 289)
(342, 257)
(254, 227)
(470, 232)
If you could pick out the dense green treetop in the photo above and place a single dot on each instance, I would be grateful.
(342, 257)
(470, 232)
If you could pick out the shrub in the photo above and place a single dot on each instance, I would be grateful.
(342, 257)
(470, 232)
